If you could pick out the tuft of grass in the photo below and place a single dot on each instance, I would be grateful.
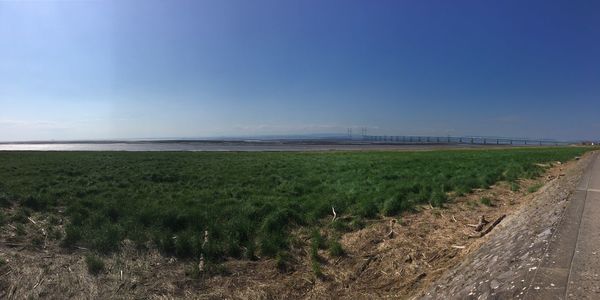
(317, 240)
(400, 221)
(20, 229)
(486, 201)
(366, 209)
(513, 172)
(340, 226)
(438, 198)
(250, 251)
(37, 241)
(335, 248)
(106, 238)
(95, 264)
(20, 215)
(395, 205)
(73, 235)
(282, 261)
(514, 187)
(193, 270)
(3, 262)
(53, 220)
(534, 188)
(315, 266)
(472, 204)
(5, 200)
(356, 223)
(54, 233)
(34, 202)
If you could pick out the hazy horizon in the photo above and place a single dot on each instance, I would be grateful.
(274, 137)
(73, 70)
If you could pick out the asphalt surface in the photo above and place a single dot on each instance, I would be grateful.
(571, 267)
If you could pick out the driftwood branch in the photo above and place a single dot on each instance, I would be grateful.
(489, 229)
(334, 214)
(391, 233)
(479, 226)
(38, 283)
(201, 262)
(493, 225)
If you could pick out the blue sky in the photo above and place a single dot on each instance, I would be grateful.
(151, 69)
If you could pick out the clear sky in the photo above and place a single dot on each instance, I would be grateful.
(144, 69)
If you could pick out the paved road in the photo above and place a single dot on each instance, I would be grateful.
(571, 267)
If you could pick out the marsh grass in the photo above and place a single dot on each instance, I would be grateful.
(282, 261)
(534, 188)
(335, 248)
(95, 265)
(486, 201)
(317, 241)
(248, 202)
(20, 229)
(515, 187)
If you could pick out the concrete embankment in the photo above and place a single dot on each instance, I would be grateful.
(548, 249)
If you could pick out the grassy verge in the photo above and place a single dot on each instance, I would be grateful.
(248, 202)
(534, 188)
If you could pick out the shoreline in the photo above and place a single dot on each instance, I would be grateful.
(244, 146)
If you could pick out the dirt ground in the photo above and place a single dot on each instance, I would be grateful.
(422, 246)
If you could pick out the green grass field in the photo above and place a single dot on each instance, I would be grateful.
(248, 202)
